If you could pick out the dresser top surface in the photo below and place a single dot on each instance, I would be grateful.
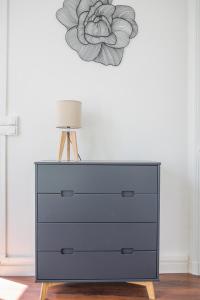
(97, 162)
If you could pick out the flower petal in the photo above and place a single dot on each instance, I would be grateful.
(92, 10)
(85, 5)
(110, 56)
(135, 29)
(124, 12)
(67, 15)
(86, 52)
(97, 29)
(109, 40)
(127, 13)
(105, 10)
(107, 21)
(122, 29)
(122, 25)
(81, 28)
(106, 1)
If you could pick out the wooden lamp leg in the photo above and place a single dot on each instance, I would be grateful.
(68, 145)
(70, 137)
(149, 286)
(74, 144)
(62, 144)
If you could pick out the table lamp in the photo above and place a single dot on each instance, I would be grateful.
(68, 119)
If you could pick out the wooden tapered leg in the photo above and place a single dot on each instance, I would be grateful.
(62, 144)
(149, 286)
(150, 290)
(68, 146)
(44, 289)
(74, 144)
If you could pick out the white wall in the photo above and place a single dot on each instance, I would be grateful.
(136, 111)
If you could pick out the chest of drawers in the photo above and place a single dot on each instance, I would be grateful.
(97, 221)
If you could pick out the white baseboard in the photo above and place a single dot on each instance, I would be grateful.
(24, 266)
(174, 264)
(194, 267)
(17, 266)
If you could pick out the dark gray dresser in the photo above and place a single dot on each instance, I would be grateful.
(97, 221)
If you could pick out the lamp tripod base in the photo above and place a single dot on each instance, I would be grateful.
(68, 137)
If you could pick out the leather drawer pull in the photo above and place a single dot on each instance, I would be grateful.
(67, 251)
(127, 251)
(127, 193)
(67, 193)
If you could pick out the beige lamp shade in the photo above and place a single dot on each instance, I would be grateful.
(68, 114)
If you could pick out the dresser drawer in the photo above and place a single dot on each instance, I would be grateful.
(97, 208)
(96, 178)
(96, 266)
(96, 236)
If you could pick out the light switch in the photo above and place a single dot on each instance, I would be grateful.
(9, 125)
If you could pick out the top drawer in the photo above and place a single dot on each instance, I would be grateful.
(97, 178)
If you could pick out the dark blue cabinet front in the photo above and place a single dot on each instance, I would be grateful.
(97, 221)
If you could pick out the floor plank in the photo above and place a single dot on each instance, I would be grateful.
(170, 287)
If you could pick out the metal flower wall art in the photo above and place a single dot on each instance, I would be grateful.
(97, 30)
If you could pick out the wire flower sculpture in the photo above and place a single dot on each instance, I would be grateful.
(97, 30)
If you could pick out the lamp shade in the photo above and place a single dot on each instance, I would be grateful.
(68, 114)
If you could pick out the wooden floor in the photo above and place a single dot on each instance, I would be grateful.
(170, 287)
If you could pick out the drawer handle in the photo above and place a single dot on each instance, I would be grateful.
(67, 193)
(127, 193)
(127, 251)
(67, 251)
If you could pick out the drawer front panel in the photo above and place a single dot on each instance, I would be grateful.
(96, 178)
(96, 236)
(97, 208)
(96, 266)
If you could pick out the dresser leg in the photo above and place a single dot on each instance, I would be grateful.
(149, 286)
(45, 286)
(150, 290)
(44, 290)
